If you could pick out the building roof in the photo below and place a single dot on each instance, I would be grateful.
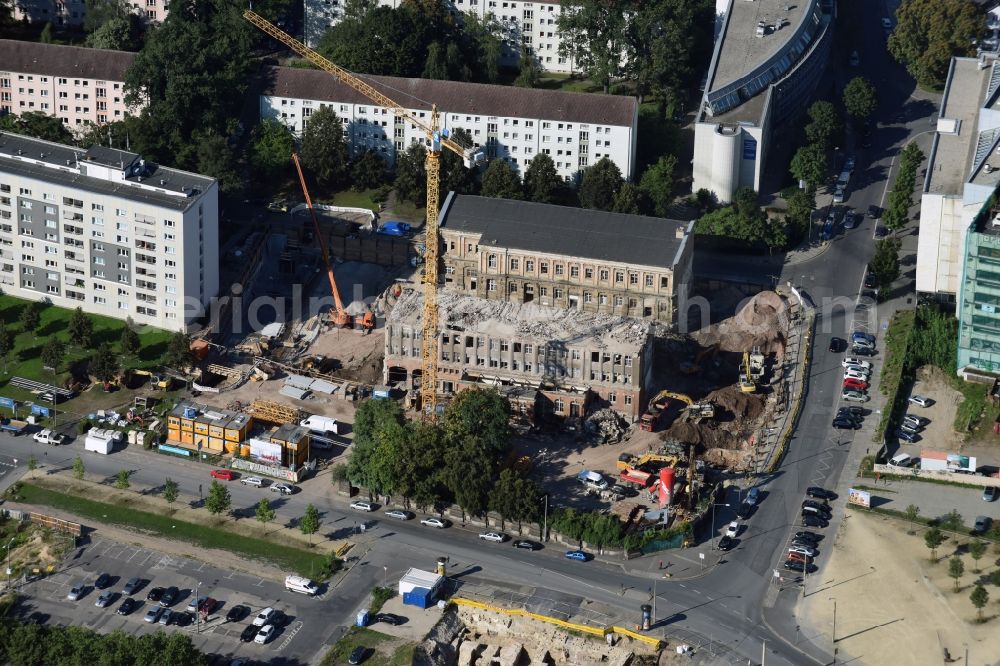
(141, 181)
(561, 230)
(65, 61)
(456, 97)
(566, 327)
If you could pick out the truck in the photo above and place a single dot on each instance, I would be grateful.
(13, 426)
(947, 462)
(321, 425)
(49, 437)
(101, 441)
(635, 476)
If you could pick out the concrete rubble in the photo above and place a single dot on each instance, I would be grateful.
(606, 425)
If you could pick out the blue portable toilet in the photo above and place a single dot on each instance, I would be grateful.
(362, 618)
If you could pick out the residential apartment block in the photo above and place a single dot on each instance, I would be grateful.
(105, 230)
(81, 86)
(515, 124)
(549, 362)
(66, 13)
(533, 25)
(566, 258)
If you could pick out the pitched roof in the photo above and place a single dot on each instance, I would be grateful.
(560, 230)
(456, 97)
(67, 61)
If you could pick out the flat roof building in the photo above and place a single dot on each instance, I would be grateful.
(515, 124)
(769, 56)
(78, 85)
(570, 362)
(567, 258)
(105, 230)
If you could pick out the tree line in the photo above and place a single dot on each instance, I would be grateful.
(460, 459)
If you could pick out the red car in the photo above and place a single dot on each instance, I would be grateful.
(856, 384)
(207, 606)
(224, 474)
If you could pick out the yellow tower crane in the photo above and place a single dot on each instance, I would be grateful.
(437, 137)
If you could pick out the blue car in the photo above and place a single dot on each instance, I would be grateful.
(577, 555)
(861, 335)
(827, 232)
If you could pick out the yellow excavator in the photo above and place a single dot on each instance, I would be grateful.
(657, 406)
(747, 384)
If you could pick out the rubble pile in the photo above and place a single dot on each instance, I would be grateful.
(762, 322)
(737, 415)
(607, 425)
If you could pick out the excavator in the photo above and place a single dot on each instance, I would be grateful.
(657, 406)
(340, 316)
(747, 384)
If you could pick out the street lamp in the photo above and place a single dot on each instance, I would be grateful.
(834, 634)
(713, 522)
(9, 544)
(545, 524)
(197, 610)
(385, 572)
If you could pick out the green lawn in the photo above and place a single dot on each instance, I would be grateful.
(359, 636)
(306, 563)
(25, 361)
(354, 199)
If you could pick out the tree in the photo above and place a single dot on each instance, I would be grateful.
(482, 414)
(599, 185)
(37, 124)
(436, 67)
(32, 463)
(46, 35)
(411, 175)
(503, 496)
(121, 480)
(130, 342)
(418, 471)
(111, 24)
(860, 99)
(324, 151)
(218, 500)
(657, 184)
(399, 48)
(469, 474)
(29, 317)
(272, 145)
(455, 176)
(78, 469)
(6, 343)
(178, 354)
(929, 33)
(911, 515)
(810, 164)
(628, 200)
(104, 365)
(309, 523)
(53, 353)
(824, 123)
(80, 328)
(955, 569)
(368, 171)
(885, 262)
(932, 539)
(500, 181)
(977, 549)
(593, 35)
(170, 490)
(215, 156)
(379, 432)
(801, 204)
(541, 180)
(953, 521)
(995, 577)
(265, 513)
(979, 598)
(529, 73)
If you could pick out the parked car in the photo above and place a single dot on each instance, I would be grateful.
(103, 581)
(399, 514)
(854, 396)
(920, 401)
(990, 493)
(390, 619)
(206, 606)
(362, 506)
(982, 524)
(255, 481)
(820, 493)
(865, 370)
(863, 351)
(813, 521)
(837, 345)
(733, 529)
(132, 586)
(843, 423)
(752, 496)
(224, 474)
(727, 543)
(76, 592)
(851, 373)
(850, 360)
(435, 522)
(357, 655)
(855, 411)
(818, 506)
(495, 537)
(795, 565)
(248, 633)
(169, 596)
(858, 384)
(153, 614)
(155, 594)
(167, 617)
(851, 219)
(907, 426)
(918, 421)
(803, 550)
(182, 619)
(264, 617)
(265, 634)
(907, 436)
(282, 488)
(49, 437)
(127, 606)
(577, 555)
(237, 613)
(525, 544)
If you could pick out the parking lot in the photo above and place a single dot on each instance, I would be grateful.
(213, 635)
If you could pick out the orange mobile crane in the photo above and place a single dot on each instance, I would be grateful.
(438, 138)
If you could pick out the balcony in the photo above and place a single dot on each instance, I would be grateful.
(72, 217)
(145, 259)
(143, 284)
(145, 245)
(70, 229)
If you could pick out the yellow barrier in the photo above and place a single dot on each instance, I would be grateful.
(343, 548)
(585, 628)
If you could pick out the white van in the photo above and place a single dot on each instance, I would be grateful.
(901, 460)
(321, 425)
(301, 585)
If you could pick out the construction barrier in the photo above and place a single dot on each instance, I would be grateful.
(798, 399)
(654, 643)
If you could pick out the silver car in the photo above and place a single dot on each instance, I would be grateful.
(75, 593)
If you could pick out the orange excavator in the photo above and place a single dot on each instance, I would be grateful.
(340, 316)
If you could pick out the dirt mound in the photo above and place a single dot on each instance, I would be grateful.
(737, 415)
(762, 322)
(744, 407)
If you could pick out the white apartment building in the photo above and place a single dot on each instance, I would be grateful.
(534, 25)
(574, 129)
(105, 230)
(62, 13)
(79, 85)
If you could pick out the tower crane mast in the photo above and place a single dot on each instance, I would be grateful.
(438, 139)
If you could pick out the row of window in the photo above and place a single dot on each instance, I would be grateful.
(560, 270)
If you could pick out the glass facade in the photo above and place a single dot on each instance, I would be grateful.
(979, 297)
